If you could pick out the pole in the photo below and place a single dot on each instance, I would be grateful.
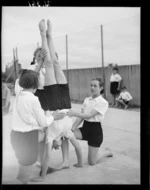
(16, 54)
(67, 58)
(103, 69)
(14, 64)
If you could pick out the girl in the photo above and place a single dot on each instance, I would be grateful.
(115, 83)
(93, 112)
(124, 97)
(56, 96)
(28, 123)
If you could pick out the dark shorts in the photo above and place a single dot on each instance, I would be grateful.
(57, 97)
(113, 88)
(42, 98)
(126, 102)
(25, 146)
(92, 132)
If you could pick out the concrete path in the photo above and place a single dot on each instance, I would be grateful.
(121, 130)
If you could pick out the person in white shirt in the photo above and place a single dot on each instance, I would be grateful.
(124, 98)
(92, 114)
(28, 125)
(115, 83)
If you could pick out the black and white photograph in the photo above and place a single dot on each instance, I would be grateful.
(71, 92)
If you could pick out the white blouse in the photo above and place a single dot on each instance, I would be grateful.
(99, 104)
(125, 96)
(28, 114)
(115, 78)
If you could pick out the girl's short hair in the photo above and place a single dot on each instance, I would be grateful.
(29, 79)
(123, 88)
(101, 84)
(115, 68)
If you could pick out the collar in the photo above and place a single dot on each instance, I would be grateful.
(90, 98)
(26, 92)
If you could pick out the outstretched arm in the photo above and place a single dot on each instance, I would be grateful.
(83, 115)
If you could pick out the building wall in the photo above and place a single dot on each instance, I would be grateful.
(79, 81)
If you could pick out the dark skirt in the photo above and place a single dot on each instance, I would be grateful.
(25, 145)
(92, 132)
(42, 98)
(113, 88)
(57, 97)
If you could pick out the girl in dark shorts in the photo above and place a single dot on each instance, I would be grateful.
(93, 111)
(28, 123)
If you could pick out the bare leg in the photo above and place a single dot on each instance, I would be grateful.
(60, 76)
(65, 154)
(93, 155)
(24, 173)
(77, 147)
(122, 103)
(50, 73)
(41, 147)
(45, 164)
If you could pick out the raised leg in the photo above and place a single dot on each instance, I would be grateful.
(49, 67)
(60, 76)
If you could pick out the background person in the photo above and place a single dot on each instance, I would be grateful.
(115, 83)
(124, 98)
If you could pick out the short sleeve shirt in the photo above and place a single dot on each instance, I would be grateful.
(125, 96)
(115, 78)
(99, 104)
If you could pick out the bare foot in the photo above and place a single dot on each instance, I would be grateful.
(78, 165)
(22, 181)
(42, 26)
(38, 164)
(49, 27)
(37, 179)
(63, 166)
(49, 171)
(108, 152)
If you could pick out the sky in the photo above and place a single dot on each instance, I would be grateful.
(121, 34)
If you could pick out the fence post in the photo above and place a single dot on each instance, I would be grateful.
(67, 71)
(103, 69)
(15, 65)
